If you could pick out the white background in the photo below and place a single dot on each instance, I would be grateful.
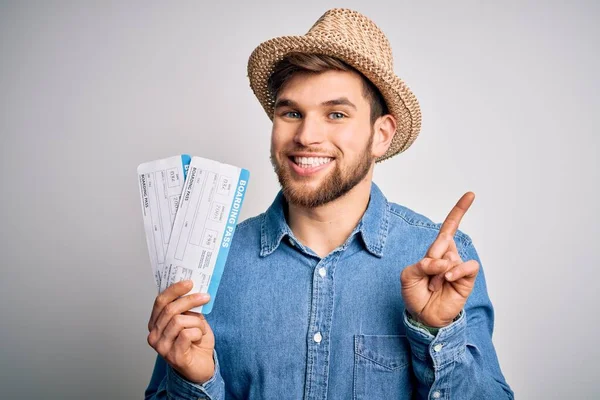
(88, 90)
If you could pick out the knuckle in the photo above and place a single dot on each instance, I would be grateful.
(185, 334)
(201, 330)
(151, 340)
(177, 322)
(161, 348)
(403, 276)
(169, 309)
(445, 236)
(160, 301)
(154, 338)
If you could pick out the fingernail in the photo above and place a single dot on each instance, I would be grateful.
(431, 288)
(202, 296)
(448, 275)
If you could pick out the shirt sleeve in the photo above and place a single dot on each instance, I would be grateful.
(459, 361)
(166, 383)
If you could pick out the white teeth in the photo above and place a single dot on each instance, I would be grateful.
(307, 162)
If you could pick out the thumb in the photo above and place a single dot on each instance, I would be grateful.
(437, 281)
(208, 338)
(423, 269)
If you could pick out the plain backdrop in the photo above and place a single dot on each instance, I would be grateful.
(89, 89)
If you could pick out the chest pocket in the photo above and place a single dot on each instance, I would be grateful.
(382, 367)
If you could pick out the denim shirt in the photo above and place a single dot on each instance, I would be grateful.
(291, 325)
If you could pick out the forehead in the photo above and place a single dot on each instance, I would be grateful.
(315, 88)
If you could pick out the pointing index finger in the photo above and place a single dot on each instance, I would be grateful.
(450, 225)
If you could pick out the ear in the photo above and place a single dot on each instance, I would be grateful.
(384, 130)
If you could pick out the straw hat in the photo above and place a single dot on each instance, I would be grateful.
(356, 40)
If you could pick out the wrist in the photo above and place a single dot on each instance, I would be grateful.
(417, 321)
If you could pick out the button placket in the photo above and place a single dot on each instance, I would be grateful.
(317, 376)
(322, 271)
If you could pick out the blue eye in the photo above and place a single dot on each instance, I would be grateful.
(292, 114)
(336, 115)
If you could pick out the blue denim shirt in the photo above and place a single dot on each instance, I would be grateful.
(291, 325)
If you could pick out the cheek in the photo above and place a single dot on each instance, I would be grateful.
(275, 135)
(353, 139)
(278, 144)
(281, 135)
(275, 142)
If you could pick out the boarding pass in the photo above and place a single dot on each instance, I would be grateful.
(207, 212)
(160, 184)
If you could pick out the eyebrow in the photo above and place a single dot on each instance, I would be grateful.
(342, 101)
(285, 103)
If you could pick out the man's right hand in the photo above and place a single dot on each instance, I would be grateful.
(182, 337)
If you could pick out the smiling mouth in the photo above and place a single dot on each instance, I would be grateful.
(311, 162)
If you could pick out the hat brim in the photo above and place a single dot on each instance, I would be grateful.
(401, 102)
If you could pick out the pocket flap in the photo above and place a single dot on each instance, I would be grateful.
(389, 351)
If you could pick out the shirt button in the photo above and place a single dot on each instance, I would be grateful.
(317, 338)
(436, 395)
(322, 272)
(437, 348)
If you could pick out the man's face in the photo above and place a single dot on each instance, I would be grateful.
(322, 136)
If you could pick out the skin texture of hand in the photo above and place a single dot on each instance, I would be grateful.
(436, 288)
(182, 337)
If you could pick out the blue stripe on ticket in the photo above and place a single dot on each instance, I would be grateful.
(234, 212)
(185, 163)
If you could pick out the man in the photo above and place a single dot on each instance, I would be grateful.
(333, 292)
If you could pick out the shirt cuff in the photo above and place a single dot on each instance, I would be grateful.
(445, 346)
(180, 388)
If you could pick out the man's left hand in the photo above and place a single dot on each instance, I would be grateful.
(436, 288)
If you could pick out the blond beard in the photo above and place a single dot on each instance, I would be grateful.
(335, 185)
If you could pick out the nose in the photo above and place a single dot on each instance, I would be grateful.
(309, 132)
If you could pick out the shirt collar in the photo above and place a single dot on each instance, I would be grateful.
(373, 226)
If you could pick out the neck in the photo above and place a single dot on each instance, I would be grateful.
(327, 227)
